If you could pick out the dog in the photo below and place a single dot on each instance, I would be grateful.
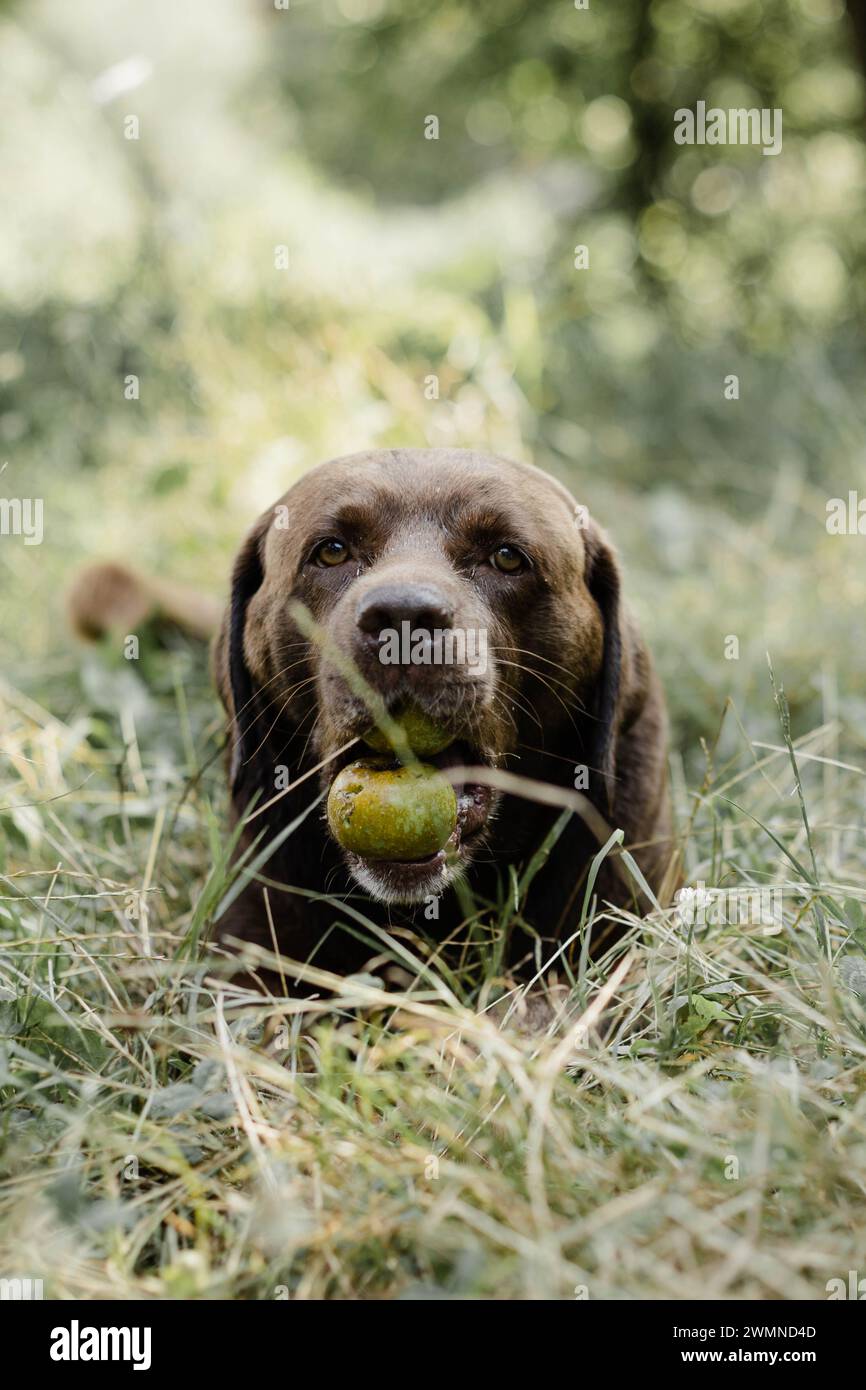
(424, 543)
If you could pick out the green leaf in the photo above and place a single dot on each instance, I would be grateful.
(709, 1009)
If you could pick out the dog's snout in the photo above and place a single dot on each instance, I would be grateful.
(388, 606)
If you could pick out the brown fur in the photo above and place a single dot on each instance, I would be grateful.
(110, 598)
(431, 515)
(424, 523)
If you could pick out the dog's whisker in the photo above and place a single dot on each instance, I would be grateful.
(525, 706)
(545, 680)
(524, 651)
(333, 874)
(500, 701)
(266, 708)
(546, 752)
(315, 716)
(282, 672)
(287, 646)
(285, 696)
(521, 667)
(300, 686)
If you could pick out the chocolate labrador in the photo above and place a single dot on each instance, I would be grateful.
(401, 552)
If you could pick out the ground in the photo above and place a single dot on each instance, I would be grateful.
(694, 1122)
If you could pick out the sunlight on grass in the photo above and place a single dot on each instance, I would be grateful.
(691, 1119)
(683, 1117)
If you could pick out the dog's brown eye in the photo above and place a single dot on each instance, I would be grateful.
(508, 559)
(331, 553)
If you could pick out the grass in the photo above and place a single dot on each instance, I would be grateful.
(693, 1124)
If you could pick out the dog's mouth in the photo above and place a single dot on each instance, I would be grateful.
(416, 880)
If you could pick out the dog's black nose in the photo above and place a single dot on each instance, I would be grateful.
(390, 605)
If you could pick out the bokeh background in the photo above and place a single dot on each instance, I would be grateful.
(149, 1146)
(305, 129)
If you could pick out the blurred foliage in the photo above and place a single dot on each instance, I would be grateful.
(304, 128)
(703, 261)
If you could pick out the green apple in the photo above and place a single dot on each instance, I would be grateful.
(382, 811)
(423, 735)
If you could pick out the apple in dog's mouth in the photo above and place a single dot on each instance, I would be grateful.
(407, 831)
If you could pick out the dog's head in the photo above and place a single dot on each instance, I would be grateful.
(469, 586)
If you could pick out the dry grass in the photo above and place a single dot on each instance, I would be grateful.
(692, 1123)
(151, 1143)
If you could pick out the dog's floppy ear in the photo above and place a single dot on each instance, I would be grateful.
(622, 684)
(233, 677)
